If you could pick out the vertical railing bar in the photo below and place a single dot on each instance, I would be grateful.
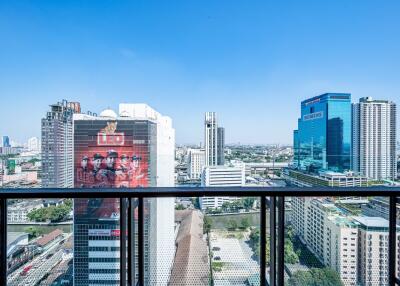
(272, 242)
(3, 242)
(141, 241)
(129, 246)
(281, 241)
(392, 240)
(131, 242)
(263, 240)
(123, 237)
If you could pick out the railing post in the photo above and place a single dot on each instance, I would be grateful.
(263, 241)
(272, 242)
(123, 238)
(131, 242)
(141, 241)
(281, 242)
(3, 242)
(392, 240)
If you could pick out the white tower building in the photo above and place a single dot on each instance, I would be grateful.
(161, 235)
(374, 138)
(210, 138)
(195, 163)
(34, 144)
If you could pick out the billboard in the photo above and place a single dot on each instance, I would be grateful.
(110, 154)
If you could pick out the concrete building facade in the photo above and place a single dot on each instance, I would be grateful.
(374, 139)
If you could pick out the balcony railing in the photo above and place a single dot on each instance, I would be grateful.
(131, 199)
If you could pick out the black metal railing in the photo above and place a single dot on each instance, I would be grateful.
(132, 198)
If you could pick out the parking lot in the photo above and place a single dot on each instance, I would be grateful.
(234, 259)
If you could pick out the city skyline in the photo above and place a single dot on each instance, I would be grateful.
(239, 60)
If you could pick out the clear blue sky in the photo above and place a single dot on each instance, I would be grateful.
(250, 61)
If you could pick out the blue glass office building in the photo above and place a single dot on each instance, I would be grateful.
(5, 141)
(323, 138)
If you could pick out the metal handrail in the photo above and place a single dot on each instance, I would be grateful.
(273, 196)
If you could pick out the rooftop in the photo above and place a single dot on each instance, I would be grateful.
(372, 221)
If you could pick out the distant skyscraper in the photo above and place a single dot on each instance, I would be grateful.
(5, 141)
(57, 146)
(323, 138)
(210, 139)
(132, 149)
(374, 138)
(33, 144)
(220, 146)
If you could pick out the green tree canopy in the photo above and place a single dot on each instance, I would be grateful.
(231, 224)
(315, 277)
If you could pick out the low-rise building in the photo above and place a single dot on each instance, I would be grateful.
(373, 251)
(220, 176)
(324, 179)
(356, 247)
(191, 263)
(18, 213)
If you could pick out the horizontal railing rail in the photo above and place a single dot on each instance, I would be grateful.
(159, 192)
(274, 197)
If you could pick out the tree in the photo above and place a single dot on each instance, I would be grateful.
(179, 207)
(52, 213)
(244, 223)
(248, 203)
(254, 236)
(196, 203)
(289, 232)
(207, 224)
(68, 203)
(315, 277)
(33, 231)
(290, 256)
(39, 215)
(58, 213)
(255, 244)
(231, 225)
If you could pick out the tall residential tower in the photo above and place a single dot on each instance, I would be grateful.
(220, 146)
(57, 145)
(374, 138)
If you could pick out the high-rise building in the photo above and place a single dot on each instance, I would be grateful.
(5, 141)
(214, 140)
(57, 146)
(221, 176)
(33, 144)
(132, 149)
(195, 163)
(374, 138)
(323, 138)
(210, 139)
(220, 146)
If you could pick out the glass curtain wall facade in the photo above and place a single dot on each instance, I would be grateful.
(108, 153)
(323, 138)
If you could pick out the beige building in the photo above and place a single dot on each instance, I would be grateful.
(355, 247)
(195, 163)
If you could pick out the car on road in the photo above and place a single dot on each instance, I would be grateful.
(26, 270)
